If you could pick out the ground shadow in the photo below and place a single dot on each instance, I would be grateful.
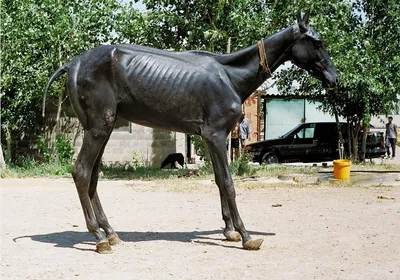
(69, 239)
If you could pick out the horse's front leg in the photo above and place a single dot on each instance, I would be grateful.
(223, 178)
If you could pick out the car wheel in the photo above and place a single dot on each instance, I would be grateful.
(270, 158)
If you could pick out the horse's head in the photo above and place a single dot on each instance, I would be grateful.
(308, 53)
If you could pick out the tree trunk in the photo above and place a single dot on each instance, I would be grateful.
(355, 130)
(349, 137)
(366, 126)
(340, 136)
(10, 156)
(364, 142)
(2, 162)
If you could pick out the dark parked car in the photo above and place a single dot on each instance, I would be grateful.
(311, 142)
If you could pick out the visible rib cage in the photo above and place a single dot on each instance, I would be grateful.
(163, 76)
(145, 77)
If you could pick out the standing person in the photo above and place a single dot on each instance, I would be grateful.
(244, 130)
(391, 137)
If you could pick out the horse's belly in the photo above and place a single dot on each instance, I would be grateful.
(174, 118)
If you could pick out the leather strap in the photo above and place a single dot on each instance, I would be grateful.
(263, 58)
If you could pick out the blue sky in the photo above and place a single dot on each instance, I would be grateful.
(139, 5)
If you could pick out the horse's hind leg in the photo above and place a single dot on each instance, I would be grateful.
(93, 143)
(102, 220)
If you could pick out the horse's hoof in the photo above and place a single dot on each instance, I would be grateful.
(103, 248)
(113, 239)
(233, 236)
(253, 244)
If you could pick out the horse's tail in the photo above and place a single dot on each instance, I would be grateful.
(63, 69)
(72, 70)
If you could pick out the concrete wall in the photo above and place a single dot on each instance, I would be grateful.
(150, 145)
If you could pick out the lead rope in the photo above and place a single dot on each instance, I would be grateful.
(263, 58)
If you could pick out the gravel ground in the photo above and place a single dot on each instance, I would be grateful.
(318, 233)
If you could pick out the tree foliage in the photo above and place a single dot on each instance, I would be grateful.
(362, 37)
(204, 24)
(37, 37)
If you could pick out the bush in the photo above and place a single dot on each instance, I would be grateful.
(201, 149)
(244, 168)
(65, 149)
(43, 149)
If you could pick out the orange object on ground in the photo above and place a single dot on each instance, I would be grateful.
(341, 169)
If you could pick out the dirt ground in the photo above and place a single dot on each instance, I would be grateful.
(321, 232)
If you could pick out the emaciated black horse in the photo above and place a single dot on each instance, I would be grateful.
(193, 92)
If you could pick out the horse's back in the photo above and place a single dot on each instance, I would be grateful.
(157, 88)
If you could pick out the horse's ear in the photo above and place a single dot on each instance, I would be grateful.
(306, 17)
(300, 17)
(302, 20)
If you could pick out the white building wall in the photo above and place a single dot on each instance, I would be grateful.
(282, 115)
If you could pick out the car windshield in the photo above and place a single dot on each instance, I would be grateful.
(289, 132)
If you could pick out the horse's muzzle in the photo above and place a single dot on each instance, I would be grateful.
(331, 82)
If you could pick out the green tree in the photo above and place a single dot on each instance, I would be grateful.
(362, 38)
(381, 26)
(203, 24)
(37, 37)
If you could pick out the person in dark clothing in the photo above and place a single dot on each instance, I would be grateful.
(391, 137)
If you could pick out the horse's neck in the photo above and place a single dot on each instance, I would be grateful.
(243, 67)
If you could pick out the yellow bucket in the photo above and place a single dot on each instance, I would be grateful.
(341, 169)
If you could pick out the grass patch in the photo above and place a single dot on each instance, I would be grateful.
(121, 172)
(275, 170)
(26, 167)
(54, 169)
(382, 166)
